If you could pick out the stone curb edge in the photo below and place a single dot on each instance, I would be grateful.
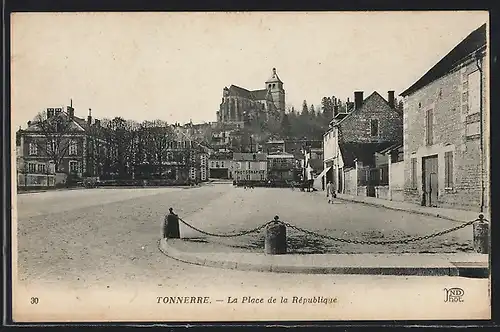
(430, 214)
(191, 258)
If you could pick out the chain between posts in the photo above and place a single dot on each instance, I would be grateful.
(254, 230)
(337, 239)
(378, 242)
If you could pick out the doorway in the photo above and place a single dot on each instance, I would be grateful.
(340, 179)
(430, 180)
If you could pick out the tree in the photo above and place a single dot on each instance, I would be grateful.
(96, 150)
(327, 108)
(312, 111)
(155, 138)
(119, 135)
(305, 109)
(285, 126)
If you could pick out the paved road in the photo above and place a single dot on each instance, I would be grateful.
(85, 234)
(242, 209)
(106, 239)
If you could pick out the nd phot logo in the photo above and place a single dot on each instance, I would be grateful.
(453, 294)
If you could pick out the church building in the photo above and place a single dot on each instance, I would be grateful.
(240, 105)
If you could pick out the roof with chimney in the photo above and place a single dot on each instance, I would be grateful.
(475, 41)
(352, 110)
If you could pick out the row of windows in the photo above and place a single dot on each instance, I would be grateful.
(216, 164)
(262, 165)
(40, 168)
(51, 147)
(248, 177)
(448, 171)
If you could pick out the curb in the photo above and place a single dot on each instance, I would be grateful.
(50, 190)
(452, 269)
(430, 214)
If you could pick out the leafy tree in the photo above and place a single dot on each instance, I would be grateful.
(327, 108)
(285, 126)
(305, 109)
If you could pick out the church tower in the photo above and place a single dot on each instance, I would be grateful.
(275, 86)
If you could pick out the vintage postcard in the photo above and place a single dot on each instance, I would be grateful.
(250, 166)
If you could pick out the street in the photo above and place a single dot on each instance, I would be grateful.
(106, 239)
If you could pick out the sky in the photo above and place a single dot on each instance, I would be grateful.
(173, 66)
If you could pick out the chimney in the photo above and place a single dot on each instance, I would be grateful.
(390, 98)
(358, 99)
(71, 112)
(50, 113)
(89, 118)
(97, 122)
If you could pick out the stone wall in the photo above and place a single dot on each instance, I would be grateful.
(455, 129)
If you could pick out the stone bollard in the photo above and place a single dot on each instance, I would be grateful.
(171, 226)
(481, 235)
(275, 238)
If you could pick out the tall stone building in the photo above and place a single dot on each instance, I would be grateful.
(240, 105)
(446, 130)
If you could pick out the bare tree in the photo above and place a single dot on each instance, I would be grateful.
(119, 135)
(155, 138)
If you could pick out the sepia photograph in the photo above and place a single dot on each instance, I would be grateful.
(250, 166)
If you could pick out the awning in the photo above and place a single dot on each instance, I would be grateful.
(323, 172)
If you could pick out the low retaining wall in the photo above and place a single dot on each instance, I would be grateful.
(382, 192)
(362, 191)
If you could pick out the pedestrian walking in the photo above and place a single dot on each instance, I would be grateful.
(330, 192)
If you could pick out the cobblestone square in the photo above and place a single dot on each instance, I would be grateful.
(95, 235)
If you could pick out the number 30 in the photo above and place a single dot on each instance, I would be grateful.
(34, 300)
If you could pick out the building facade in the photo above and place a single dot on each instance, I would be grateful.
(281, 167)
(312, 164)
(239, 105)
(249, 167)
(220, 165)
(61, 141)
(446, 135)
(353, 138)
(34, 172)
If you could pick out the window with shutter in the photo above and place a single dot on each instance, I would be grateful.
(414, 173)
